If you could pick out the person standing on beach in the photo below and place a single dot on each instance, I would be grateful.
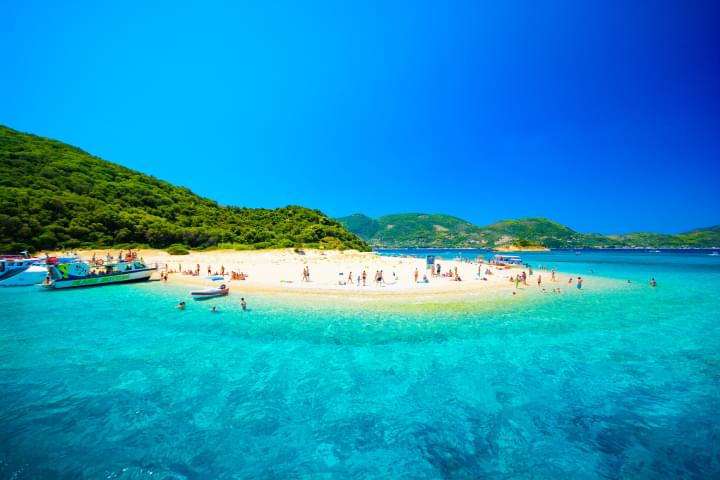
(350, 280)
(364, 278)
(416, 275)
(539, 279)
(209, 271)
(552, 275)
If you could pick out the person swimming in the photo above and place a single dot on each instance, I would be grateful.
(213, 309)
(181, 305)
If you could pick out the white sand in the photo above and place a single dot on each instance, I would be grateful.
(281, 272)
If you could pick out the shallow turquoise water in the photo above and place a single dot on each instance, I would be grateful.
(114, 382)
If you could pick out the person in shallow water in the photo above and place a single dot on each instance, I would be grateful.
(653, 282)
(213, 309)
(181, 305)
(579, 283)
(243, 303)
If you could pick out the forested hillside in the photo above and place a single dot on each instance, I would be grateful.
(409, 230)
(53, 195)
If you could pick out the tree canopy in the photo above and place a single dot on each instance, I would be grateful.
(53, 195)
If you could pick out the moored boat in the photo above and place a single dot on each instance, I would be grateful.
(506, 261)
(21, 272)
(81, 274)
(214, 292)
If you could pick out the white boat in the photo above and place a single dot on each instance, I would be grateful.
(715, 254)
(81, 274)
(214, 292)
(507, 261)
(21, 271)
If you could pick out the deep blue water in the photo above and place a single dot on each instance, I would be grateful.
(114, 382)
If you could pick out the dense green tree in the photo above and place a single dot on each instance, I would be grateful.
(54, 195)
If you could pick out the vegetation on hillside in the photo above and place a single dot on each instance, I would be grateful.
(443, 231)
(53, 195)
(415, 229)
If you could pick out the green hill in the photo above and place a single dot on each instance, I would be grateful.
(54, 195)
(425, 230)
(539, 231)
(361, 225)
(415, 230)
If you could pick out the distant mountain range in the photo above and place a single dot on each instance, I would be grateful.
(409, 230)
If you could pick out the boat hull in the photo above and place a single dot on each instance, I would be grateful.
(210, 293)
(30, 276)
(125, 277)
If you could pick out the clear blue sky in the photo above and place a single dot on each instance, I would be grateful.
(601, 115)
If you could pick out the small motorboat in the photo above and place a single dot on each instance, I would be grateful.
(220, 291)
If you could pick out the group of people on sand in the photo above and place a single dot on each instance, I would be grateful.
(306, 274)
(424, 279)
(518, 279)
(452, 273)
(361, 280)
(218, 273)
(521, 278)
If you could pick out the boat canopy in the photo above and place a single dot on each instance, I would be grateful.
(507, 259)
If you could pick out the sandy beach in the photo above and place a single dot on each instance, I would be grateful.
(334, 276)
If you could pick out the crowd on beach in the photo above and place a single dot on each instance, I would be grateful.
(435, 271)
(379, 279)
(544, 276)
(210, 273)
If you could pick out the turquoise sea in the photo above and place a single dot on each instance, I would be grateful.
(116, 383)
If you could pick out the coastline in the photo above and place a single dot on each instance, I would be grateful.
(279, 273)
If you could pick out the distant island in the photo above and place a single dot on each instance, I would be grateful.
(418, 230)
(53, 195)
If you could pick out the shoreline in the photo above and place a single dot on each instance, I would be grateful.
(280, 273)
